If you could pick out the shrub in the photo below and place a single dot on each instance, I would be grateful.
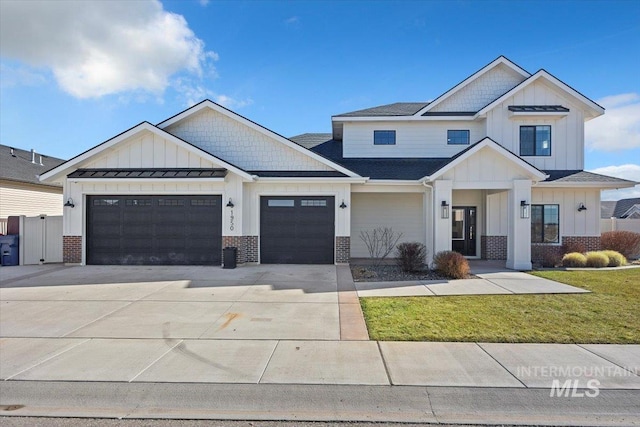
(574, 259)
(380, 242)
(616, 259)
(597, 259)
(569, 247)
(451, 264)
(410, 256)
(625, 242)
(550, 259)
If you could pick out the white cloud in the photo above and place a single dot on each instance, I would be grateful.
(232, 103)
(203, 3)
(292, 20)
(628, 171)
(104, 47)
(191, 92)
(619, 128)
(20, 76)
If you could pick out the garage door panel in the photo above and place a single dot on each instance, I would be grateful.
(154, 230)
(297, 230)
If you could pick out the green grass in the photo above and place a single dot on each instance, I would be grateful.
(610, 314)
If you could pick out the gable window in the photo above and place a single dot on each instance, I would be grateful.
(384, 137)
(545, 224)
(535, 140)
(458, 137)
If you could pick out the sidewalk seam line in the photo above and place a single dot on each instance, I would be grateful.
(215, 321)
(501, 365)
(501, 287)
(384, 363)
(266, 365)
(96, 320)
(50, 357)
(610, 361)
(156, 361)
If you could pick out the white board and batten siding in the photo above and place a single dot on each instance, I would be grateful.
(567, 132)
(413, 139)
(403, 212)
(148, 150)
(485, 166)
(239, 144)
(27, 199)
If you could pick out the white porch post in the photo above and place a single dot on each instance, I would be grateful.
(519, 230)
(441, 226)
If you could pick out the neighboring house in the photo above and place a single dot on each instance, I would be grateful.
(21, 192)
(491, 168)
(623, 209)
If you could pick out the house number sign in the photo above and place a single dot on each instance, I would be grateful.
(231, 224)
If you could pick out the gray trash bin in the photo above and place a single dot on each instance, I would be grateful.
(229, 257)
(9, 250)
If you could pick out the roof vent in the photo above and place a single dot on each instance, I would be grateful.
(41, 164)
(33, 156)
(12, 153)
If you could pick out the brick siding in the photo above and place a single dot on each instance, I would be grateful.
(72, 249)
(540, 251)
(343, 249)
(251, 247)
(493, 247)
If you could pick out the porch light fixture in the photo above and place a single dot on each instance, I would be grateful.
(524, 209)
(581, 207)
(444, 209)
(343, 205)
(69, 203)
(230, 204)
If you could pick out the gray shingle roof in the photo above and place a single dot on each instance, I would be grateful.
(581, 176)
(19, 167)
(623, 205)
(310, 140)
(607, 208)
(389, 110)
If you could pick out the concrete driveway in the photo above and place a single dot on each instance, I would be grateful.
(250, 302)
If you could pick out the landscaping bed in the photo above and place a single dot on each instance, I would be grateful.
(390, 273)
(607, 315)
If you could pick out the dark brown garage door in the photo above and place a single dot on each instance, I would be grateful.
(154, 230)
(297, 230)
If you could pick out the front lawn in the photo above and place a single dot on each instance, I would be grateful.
(610, 314)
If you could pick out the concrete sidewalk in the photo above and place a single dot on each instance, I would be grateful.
(319, 362)
(491, 280)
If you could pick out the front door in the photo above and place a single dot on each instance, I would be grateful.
(463, 230)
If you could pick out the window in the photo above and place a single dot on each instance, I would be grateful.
(171, 202)
(535, 140)
(316, 203)
(545, 224)
(458, 137)
(384, 137)
(203, 202)
(276, 203)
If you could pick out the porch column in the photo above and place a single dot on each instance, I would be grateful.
(441, 226)
(519, 229)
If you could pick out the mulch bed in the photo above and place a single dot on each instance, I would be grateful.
(390, 273)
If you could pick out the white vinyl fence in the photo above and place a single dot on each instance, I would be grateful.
(614, 224)
(40, 239)
(3, 226)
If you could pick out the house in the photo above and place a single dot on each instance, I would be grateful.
(491, 168)
(21, 192)
(623, 209)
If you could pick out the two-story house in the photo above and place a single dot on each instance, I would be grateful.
(491, 168)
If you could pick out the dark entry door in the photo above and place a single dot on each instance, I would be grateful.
(463, 230)
(154, 230)
(297, 230)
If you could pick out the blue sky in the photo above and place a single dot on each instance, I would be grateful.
(75, 74)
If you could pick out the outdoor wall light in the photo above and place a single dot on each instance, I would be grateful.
(343, 205)
(444, 209)
(581, 207)
(70, 203)
(230, 204)
(524, 209)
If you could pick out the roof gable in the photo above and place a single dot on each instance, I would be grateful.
(231, 136)
(484, 161)
(143, 145)
(592, 108)
(478, 89)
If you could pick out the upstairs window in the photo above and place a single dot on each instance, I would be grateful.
(384, 137)
(545, 224)
(458, 137)
(535, 140)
